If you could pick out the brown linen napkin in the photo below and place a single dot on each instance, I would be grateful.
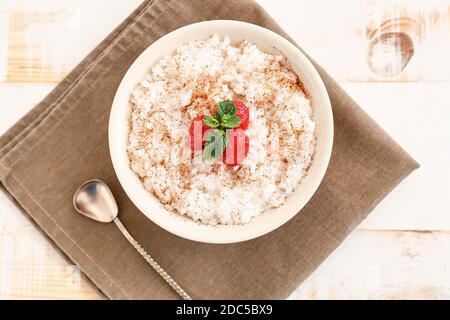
(63, 142)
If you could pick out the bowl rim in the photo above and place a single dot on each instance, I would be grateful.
(210, 237)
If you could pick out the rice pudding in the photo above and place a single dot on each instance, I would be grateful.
(190, 84)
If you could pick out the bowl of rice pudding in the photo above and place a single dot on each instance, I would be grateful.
(221, 131)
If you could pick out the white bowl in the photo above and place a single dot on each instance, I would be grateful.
(185, 227)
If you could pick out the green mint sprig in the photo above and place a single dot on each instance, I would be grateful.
(225, 118)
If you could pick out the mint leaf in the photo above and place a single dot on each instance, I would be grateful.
(226, 107)
(214, 145)
(226, 140)
(230, 121)
(211, 122)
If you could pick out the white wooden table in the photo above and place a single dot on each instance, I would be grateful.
(401, 251)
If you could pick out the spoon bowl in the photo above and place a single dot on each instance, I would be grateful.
(95, 200)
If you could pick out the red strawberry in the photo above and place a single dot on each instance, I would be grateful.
(237, 148)
(243, 113)
(197, 121)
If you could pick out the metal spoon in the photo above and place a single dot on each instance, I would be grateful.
(95, 200)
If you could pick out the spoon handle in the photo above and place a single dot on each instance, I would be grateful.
(151, 261)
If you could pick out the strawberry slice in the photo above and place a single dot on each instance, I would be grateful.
(243, 113)
(237, 148)
(196, 132)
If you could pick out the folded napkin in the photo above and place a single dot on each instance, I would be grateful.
(63, 142)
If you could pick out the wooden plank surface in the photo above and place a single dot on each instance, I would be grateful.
(338, 35)
(384, 264)
(402, 249)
